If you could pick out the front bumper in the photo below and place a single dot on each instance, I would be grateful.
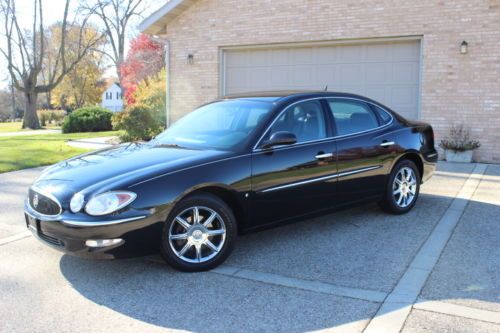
(140, 234)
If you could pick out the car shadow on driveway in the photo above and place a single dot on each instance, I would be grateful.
(205, 302)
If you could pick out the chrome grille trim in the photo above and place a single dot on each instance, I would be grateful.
(47, 195)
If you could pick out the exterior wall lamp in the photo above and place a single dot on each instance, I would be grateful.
(464, 47)
(190, 59)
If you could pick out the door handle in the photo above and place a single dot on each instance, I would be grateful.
(387, 143)
(322, 155)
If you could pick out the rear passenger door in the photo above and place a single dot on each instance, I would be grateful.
(362, 149)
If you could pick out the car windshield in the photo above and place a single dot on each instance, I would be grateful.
(221, 125)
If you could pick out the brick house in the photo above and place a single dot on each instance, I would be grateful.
(438, 61)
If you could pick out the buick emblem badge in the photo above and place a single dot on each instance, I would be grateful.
(35, 201)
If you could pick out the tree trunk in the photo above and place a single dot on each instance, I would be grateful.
(49, 100)
(30, 119)
(13, 101)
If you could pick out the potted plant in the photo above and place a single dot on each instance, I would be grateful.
(458, 145)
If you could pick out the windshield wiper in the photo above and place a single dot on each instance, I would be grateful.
(168, 145)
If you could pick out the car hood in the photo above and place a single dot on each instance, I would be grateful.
(119, 166)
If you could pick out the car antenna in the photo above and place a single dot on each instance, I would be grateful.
(326, 88)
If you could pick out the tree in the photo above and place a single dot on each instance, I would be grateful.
(152, 92)
(25, 51)
(145, 58)
(83, 85)
(115, 16)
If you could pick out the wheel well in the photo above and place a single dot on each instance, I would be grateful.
(229, 198)
(415, 159)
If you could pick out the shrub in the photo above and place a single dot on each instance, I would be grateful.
(88, 119)
(459, 139)
(138, 121)
(51, 116)
(151, 92)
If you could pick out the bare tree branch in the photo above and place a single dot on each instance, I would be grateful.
(115, 16)
(25, 56)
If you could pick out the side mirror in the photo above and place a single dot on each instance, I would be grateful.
(279, 139)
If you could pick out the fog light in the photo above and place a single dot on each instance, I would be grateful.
(102, 242)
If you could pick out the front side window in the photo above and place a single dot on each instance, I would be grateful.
(220, 125)
(352, 116)
(306, 120)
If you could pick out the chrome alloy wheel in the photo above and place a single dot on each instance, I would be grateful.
(404, 187)
(197, 234)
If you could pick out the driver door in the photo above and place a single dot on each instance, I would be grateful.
(293, 180)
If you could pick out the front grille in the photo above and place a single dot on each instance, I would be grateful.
(43, 204)
(51, 240)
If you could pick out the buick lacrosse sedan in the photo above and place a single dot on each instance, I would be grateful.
(232, 166)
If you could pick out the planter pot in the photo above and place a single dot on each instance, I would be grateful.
(459, 156)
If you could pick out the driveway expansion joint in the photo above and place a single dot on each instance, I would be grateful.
(290, 282)
(15, 237)
(395, 309)
(458, 310)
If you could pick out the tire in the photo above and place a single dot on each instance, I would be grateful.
(402, 201)
(200, 246)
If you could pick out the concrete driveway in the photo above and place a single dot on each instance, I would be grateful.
(435, 269)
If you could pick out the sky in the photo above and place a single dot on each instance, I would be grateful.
(53, 11)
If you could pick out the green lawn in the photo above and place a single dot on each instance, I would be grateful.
(10, 127)
(27, 151)
(16, 127)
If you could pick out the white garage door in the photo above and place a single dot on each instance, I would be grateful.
(386, 72)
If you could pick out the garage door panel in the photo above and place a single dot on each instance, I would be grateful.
(279, 77)
(403, 96)
(350, 73)
(302, 56)
(351, 54)
(375, 73)
(279, 57)
(376, 53)
(386, 72)
(377, 92)
(405, 52)
(326, 55)
(233, 78)
(404, 73)
(258, 58)
(259, 76)
(327, 74)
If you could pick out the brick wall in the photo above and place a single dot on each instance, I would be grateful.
(456, 88)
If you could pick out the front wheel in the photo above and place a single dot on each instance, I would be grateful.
(402, 188)
(198, 234)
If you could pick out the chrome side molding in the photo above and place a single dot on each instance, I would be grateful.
(313, 180)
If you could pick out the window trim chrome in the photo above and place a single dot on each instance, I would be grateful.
(256, 146)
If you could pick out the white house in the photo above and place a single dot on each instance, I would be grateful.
(112, 98)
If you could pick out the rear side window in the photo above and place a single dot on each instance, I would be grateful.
(385, 116)
(352, 116)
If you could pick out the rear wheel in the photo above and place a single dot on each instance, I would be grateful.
(402, 188)
(199, 233)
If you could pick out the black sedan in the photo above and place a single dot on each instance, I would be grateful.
(232, 166)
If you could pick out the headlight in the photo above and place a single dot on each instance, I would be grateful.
(109, 202)
(77, 202)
